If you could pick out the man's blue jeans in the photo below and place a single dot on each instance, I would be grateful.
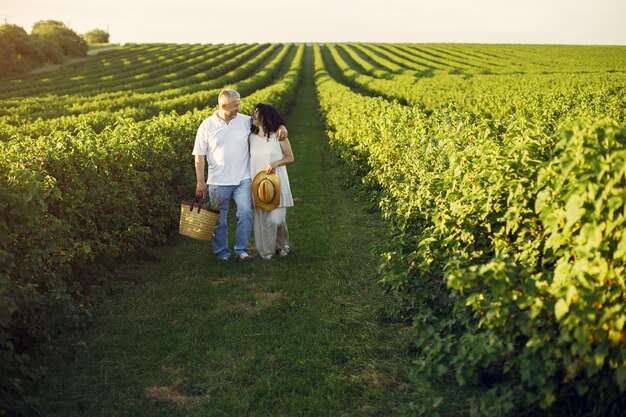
(219, 196)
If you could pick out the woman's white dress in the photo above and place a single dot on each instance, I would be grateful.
(270, 227)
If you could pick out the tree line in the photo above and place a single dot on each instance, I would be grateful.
(49, 41)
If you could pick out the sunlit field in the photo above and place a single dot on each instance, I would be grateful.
(491, 179)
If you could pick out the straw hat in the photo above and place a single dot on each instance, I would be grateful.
(266, 191)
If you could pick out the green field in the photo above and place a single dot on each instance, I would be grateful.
(486, 276)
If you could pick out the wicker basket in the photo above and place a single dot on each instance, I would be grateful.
(197, 222)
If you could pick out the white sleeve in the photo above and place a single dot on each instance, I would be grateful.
(200, 147)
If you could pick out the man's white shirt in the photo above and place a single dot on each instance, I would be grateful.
(226, 149)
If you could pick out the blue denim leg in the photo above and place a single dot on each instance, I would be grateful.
(243, 199)
(219, 196)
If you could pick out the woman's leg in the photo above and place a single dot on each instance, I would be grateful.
(264, 234)
(282, 240)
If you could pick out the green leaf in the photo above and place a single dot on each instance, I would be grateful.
(571, 293)
(574, 210)
(599, 356)
(620, 251)
(561, 308)
(620, 377)
(86, 248)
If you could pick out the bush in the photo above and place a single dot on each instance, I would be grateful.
(49, 41)
(17, 53)
(508, 251)
(97, 36)
(72, 203)
(534, 252)
(6, 58)
(49, 50)
(70, 42)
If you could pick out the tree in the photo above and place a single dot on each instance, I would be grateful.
(49, 50)
(49, 41)
(70, 42)
(16, 37)
(97, 36)
(17, 53)
(6, 58)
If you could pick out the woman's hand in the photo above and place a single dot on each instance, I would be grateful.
(271, 167)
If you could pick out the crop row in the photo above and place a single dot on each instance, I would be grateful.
(74, 200)
(259, 70)
(547, 98)
(56, 82)
(161, 86)
(115, 82)
(506, 244)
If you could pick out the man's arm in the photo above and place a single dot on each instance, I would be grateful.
(200, 182)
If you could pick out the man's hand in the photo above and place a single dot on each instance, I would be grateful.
(201, 190)
(282, 133)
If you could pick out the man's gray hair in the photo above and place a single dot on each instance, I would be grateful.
(226, 95)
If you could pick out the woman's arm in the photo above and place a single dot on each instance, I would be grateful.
(282, 133)
(287, 156)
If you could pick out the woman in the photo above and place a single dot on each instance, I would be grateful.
(268, 155)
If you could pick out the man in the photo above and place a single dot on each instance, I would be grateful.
(223, 140)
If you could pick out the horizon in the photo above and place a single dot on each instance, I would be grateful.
(534, 22)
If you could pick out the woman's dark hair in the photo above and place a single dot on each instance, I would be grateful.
(270, 119)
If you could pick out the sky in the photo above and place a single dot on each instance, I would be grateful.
(583, 22)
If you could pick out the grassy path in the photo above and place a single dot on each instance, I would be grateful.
(300, 336)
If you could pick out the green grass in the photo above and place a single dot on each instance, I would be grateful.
(306, 335)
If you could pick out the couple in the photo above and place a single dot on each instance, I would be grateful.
(238, 148)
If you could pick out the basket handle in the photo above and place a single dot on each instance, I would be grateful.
(197, 200)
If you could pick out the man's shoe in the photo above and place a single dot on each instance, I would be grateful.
(243, 256)
(222, 258)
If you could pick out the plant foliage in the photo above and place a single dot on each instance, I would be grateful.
(507, 246)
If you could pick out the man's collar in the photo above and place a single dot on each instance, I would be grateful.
(217, 114)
